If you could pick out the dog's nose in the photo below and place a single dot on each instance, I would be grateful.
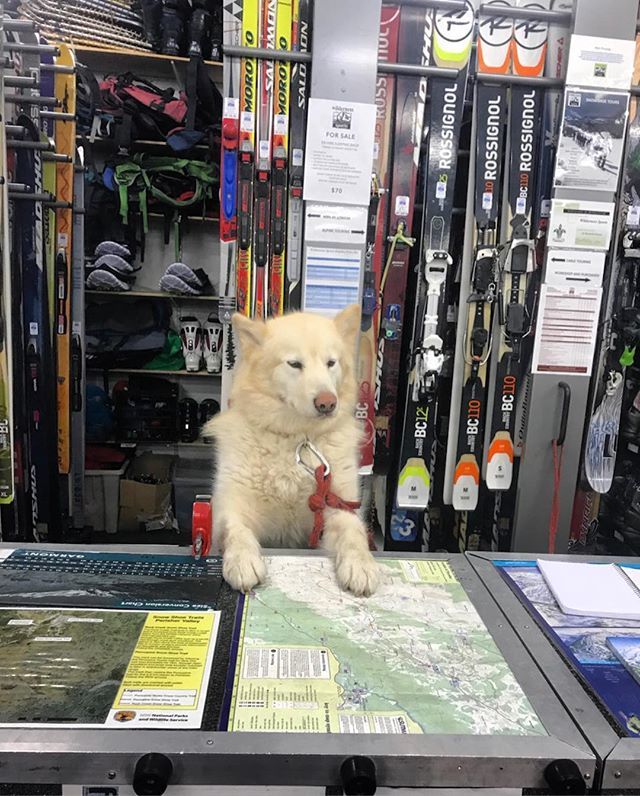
(325, 402)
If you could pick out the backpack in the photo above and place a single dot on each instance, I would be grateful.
(119, 334)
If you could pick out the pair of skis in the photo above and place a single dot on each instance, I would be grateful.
(499, 279)
(263, 160)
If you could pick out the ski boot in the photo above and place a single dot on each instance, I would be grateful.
(191, 337)
(213, 345)
(200, 29)
(152, 22)
(175, 14)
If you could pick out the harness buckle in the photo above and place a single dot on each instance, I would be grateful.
(306, 445)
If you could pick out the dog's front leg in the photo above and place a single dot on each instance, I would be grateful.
(242, 564)
(345, 535)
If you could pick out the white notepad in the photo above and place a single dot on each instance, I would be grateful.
(591, 589)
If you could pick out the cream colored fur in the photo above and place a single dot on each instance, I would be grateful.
(260, 494)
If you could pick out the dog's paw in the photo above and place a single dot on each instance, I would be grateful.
(243, 571)
(357, 572)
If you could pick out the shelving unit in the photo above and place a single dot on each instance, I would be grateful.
(156, 294)
(146, 372)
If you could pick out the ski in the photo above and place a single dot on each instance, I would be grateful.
(280, 162)
(623, 336)
(377, 232)
(6, 346)
(78, 375)
(246, 158)
(453, 34)
(262, 183)
(494, 55)
(414, 46)
(65, 134)
(232, 36)
(514, 321)
(300, 42)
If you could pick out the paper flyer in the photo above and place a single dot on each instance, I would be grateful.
(596, 61)
(335, 224)
(591, 140)
(332, 280)
(566, 330)
(339, 151)
(575, 224)
(574, 267)
(102, 668)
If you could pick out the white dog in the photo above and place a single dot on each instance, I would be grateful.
(294, 383)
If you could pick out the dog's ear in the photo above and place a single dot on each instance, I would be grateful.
(249, 333)
(348, 323)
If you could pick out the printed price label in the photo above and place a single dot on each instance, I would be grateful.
(231, 108)
(76, 327)
(264, 150)
(33, 328)
(441, 190)
(402, 205)
(247, 121)
(280, 124)
(63, 240)
(521, 205)
(297, 157)
(633, 216)
(487, 201)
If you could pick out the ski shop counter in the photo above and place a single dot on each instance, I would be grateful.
(580, 648)
(124, 668)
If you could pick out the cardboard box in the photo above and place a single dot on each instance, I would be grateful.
(139, 501)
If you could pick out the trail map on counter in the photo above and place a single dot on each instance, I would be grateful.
(101, 668)
(413, 658)
(584, 643)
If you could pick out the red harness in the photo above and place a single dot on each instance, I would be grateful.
(324, 498)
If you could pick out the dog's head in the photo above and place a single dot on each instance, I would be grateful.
(296, 372)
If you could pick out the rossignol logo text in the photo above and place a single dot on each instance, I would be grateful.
(526, 142)
(447, 131)
(492, 145)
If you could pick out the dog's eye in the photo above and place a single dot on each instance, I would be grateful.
(294, 363)
(331, 363)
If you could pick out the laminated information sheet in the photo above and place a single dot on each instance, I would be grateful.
(413, 658)
(105, 668)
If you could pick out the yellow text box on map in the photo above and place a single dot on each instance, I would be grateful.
(425, 571)
(169, 662)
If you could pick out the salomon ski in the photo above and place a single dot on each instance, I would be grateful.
(300, 42)
(280, 163)
(262, 184)
(414, 46)
(452, 47)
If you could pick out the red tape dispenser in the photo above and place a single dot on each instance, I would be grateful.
(201, 525)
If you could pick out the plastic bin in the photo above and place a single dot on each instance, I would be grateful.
(191, 477)
(102, 498)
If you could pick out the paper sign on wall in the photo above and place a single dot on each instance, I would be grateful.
(574, 267)
(575, 224)
(339, 151)
(566, 330)
(591, 140)
(600, 62)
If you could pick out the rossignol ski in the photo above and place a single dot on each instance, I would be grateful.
(453, 34)
(300, 42)
(232, 36)
(246, 157)
(65, 135)
(280, 162)
(514, 321)
(262, 184)
(414, 46)
(376, 234)
(494, 55)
